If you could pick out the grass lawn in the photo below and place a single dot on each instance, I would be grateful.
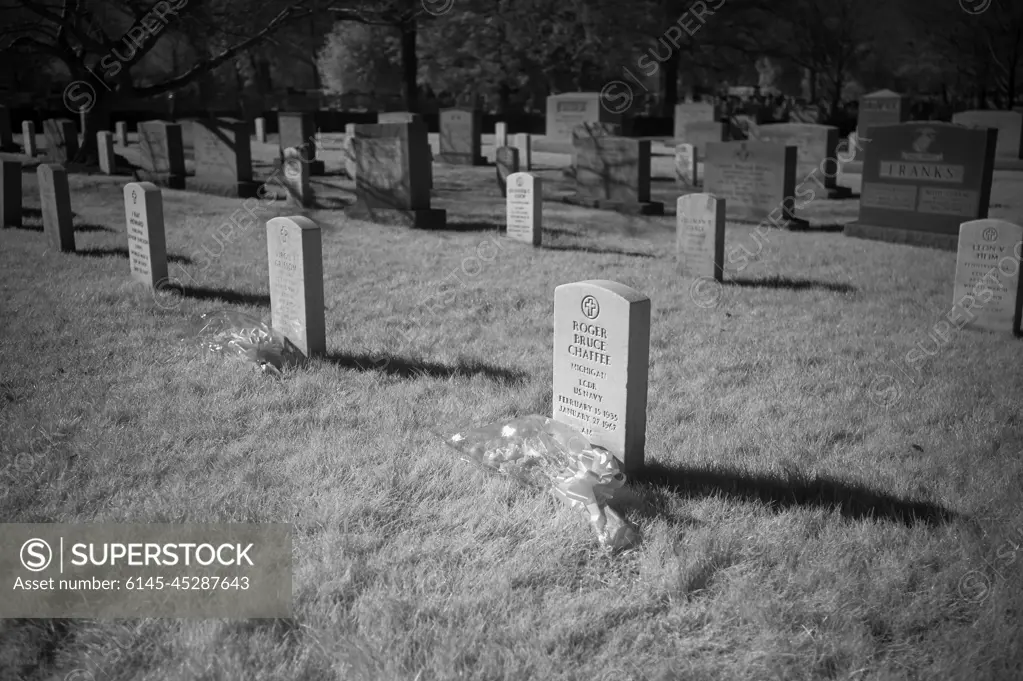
(815, 506)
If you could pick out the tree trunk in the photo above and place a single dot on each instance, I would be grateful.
(410, 66)
(97, 119)
(669, 84)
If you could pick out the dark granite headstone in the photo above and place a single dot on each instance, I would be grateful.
(816, 152)
(614, 173)
(61, 140)
(223, 157)
(392, 176)
(162, 154)
(922, 180)
(460, 137)
(756, 179)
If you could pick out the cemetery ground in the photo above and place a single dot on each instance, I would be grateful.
(833, 486)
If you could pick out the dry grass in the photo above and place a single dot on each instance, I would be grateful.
(796, 525)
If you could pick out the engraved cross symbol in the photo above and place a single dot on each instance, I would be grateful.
(590, 307)
(134, 197)
(990, 234)
(742, 153)
(284, 234)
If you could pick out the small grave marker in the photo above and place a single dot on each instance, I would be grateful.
(500, 135)
(296, 178)
(295, 253)
(55, 199)
(121, 133)
(700, 236)
(988, 288)
(260, 125)
(105, 147)
(523, 142)
(525, 208)
(601, 363)
(147, 245)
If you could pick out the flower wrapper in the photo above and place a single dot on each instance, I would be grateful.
(245, 337)
(542, 453)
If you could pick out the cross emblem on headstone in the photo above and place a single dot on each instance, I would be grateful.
(742, 153)
(134, 197)
(590, 307)
(284, 233)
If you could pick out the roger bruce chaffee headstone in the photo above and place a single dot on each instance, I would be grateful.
(988, 291)
(700, 236)
(147, 246)
(10, 194)
(55, 200)
(569, 109)
(525, 208)
(921, 180)
(295, 252)
(601, 363)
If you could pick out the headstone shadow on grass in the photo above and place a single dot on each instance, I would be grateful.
(123, 253)
(596, 251)
(404, 367)
(222, 295)
(852, 500)
(793, 284)
(78, 226)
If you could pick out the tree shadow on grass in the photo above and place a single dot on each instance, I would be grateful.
(792, 284)
(853, 501)
(123, 253)
(403, 367)
(598, 251)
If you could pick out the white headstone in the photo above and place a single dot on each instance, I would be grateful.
(601, 363)
(700, 236)
(500, 135)
(988, 290)
(685, 165)
(295, 252)
(147, 245)
(525, 208)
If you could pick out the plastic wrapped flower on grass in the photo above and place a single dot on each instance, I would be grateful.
(540, 452)
(245, 337)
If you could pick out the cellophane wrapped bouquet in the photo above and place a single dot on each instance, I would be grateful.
(245, 337)
(540, 452)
